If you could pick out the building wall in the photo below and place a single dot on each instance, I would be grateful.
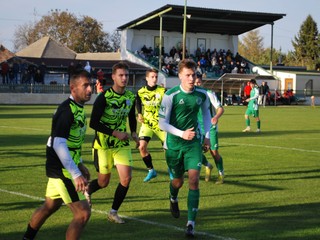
(133, 40)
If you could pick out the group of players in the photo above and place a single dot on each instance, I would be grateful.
(185, 119)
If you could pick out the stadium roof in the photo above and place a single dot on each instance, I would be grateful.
(203, 20)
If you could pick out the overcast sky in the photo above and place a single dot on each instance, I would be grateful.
(114, 13)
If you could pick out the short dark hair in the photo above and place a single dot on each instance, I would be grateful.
(253, 81)
(187, 63)
(78, 74)
(150, 71)
(119, 65)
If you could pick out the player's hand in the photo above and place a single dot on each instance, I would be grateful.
(214, 120)
(136, 139)
(80, 184)
(188, 134)
(85, 172)
(140, 118)
(120, 135)
(206, 144)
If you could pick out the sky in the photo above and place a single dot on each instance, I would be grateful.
(114, 13)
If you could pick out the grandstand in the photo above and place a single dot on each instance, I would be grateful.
(212, 34)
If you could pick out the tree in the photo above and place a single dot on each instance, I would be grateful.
(306, 44)
(115, 40)
(251, 47)
(83, 34)
(89, 37)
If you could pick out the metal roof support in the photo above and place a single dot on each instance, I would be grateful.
(271, 50)
(151, 17)
(184, 30)
(160, 45)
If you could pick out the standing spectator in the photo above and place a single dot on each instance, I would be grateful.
(87, 67)
(247, 90)
(16, 69)
(178, 117)
(253, 107)
(111, 144)
(4, 72)
(149, 97)
(43, 69)
(67, 174)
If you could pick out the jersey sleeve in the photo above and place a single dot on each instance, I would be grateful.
(96, 114)
(164, 117)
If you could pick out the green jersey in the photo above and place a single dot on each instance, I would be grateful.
(253, 103)
(110, 112)
(69, 122)
(179, 112)
(150, 98)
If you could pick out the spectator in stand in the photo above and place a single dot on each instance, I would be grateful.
(4, 72)
(172, 52)
(203, 64)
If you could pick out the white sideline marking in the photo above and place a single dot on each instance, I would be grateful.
(276, 147)
(25, 128)
(126, 217)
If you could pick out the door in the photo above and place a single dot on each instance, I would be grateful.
(288, 83)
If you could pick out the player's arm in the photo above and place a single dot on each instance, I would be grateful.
(96, 114)
(217, 105)
(133, 125)
(206, 117)
(164, 117)
(139, 108)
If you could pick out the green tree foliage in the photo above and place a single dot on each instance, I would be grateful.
(251, 47)
(83, 34)
(306, 45)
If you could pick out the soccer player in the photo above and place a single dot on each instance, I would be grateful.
(67, 175)
(111, 144)
(253, 107)
(216, 113)
(178, 117)
(149, 97)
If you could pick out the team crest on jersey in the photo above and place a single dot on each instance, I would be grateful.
(157, 96)
(128, 102)
(199, 101)
(181, 101)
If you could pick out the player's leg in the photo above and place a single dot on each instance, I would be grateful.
(246, 117)
(103, 163)
(192, 163)
(40, 215)
(214, 146)
(256, 115)
(81, 214)
(145, 134)
(123, 162)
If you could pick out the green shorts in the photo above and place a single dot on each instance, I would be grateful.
(251, 112)
(105, 159)
(180, 161)
(146, 133)
(63, 188)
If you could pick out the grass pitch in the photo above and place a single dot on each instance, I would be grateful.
(271, 188)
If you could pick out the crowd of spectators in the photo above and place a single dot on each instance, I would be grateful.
(21, 72)
(215, 62)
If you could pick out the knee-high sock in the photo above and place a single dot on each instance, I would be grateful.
(219, 164)
(30, 233)
(193, 204)
(93, 186)
(119, 196)
(248, 122)
(148, 161)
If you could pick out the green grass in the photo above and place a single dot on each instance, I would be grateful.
(271, 188)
